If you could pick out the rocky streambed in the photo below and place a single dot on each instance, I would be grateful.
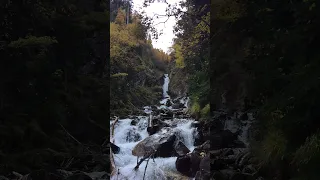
(165, 143)
(147, 146)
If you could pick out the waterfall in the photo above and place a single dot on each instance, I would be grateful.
(166, 86)
(128, 135)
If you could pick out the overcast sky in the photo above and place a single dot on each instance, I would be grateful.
(164, 41)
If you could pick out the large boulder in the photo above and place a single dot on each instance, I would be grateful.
(204, 169)
(167, 115)
(180, 148)
(225, 139)
(152, 130)
(188, 164)
(162, 143)
(177, 105)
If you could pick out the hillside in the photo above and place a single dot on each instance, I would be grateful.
(136, 68)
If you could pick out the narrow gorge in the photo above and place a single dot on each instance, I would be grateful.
(166, 143)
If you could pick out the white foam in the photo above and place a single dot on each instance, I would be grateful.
(125, 161)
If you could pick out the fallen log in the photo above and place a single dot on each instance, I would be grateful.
(112, 131)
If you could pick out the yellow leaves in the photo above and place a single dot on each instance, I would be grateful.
(205, 111)
(120, 39)
(159, 55)
(178, 56)
(203, 27)
(121, 17)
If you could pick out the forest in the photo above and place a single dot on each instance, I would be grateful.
(68, 67)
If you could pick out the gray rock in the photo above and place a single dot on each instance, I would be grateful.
(188, 164)
(115, 149)
(180, 148)
(162, 143)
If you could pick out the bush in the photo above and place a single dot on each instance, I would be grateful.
(205, 112)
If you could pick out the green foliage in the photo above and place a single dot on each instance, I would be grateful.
(178, 56)
(273, 147)
(273, 64)
(190, 53)
(205, 112)
(138, 61)
(195, 108)
(119, 75)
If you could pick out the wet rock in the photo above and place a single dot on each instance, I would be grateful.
(132, 136)
(115, 149)
(162, 124)
(167, 115)
(203, 147)
(177, 105)
(204, 172)
(167, 149)
(134, 122)
(180, 148)
(198, 140)
(152, 130)
(196, 124)
(168, 103)
(188, 164)
(79, 176)
(162, 143)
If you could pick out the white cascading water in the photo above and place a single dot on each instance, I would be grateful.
(127, 136)
(166, 86)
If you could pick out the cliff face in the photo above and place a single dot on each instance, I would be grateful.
(178, 85)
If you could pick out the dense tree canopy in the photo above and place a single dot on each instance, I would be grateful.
(264, 56)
